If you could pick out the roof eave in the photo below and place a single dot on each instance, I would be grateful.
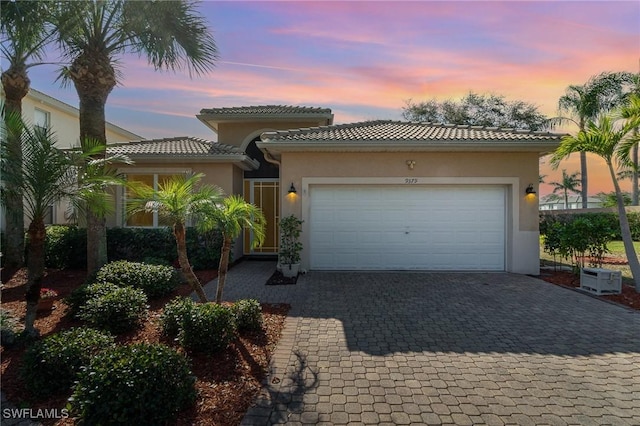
(403, 146)
(242, 161)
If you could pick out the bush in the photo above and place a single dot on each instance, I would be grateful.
(154, 280)
(117, 311)
(577, 237)
(8, 328)
(174, 314)
(52, 365)
(547, 219)
(139, 384)
(79, 297)
(66, 247)
(248, 315)
(209, 328)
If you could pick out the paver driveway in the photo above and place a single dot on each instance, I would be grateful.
(444, 348)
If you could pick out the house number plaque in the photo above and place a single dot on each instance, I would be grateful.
(410, 181)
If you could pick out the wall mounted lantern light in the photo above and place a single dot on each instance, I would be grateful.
(530, 190)
(292, 189)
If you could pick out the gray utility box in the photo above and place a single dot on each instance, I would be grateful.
(601, 281)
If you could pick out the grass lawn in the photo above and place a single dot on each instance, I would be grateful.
(616, 252)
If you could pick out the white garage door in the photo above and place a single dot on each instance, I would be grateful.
(407, 227)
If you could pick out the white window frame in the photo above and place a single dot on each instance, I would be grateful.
(155, 173)
(45, 114)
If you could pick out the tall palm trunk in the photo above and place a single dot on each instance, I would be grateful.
(15, 83)
(180, 233)
(625, 230)
(584, 180)
(35, 261)
(94, 78)
(223, 267)
(635, 191)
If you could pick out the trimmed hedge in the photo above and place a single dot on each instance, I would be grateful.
(174, 314)
(209, 328)
(248, 313)
(140, 384)
(117, 311)
(154, 280)
(66, 246)
(79, 296)
(51, 365)
(547, 219)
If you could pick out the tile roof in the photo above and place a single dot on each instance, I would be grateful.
(176, 147)
(398, 131)
(266, 110)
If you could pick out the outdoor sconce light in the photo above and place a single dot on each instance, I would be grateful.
(530, 190)
(292, 189)
(411, 164)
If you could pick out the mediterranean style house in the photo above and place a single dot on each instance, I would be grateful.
(374, 195)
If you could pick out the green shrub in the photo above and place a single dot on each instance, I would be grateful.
(79, 296)
(8, 328)
(611, 218)
(66, 247)
(174, 313)
(248, 315)
(575, 237)
(117, 311)
(209, 328)
(154, 280)
(151, 260)
(138, 384)
(51, 365)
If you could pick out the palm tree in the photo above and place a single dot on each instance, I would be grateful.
(49, 175)
(601, 93)
(569, 183)
(606, 139)
(177, 200)
(24, 35)
(230, 218)
(629, 150)
(92, 34)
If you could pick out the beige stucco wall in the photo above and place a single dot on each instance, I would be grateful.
(65, 123)
(513, 170)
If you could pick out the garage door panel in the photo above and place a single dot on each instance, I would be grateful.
(418, 227)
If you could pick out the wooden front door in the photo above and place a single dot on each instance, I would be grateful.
(264, 193)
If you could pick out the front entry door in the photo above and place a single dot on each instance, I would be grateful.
(265, 194)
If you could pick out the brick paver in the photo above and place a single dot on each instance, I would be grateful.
(443, 348)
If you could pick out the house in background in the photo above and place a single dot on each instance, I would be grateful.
(43, 110)
(551, 202)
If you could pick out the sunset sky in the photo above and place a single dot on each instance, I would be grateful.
(365, 59)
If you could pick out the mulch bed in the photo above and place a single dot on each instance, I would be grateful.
(227, 382)
(629, 297)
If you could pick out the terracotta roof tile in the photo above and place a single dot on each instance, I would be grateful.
(178, 146)
(266, 110)
(406, 132)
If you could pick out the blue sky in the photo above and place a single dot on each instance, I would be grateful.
(365, 59)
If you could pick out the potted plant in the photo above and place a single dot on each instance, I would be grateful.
(47, 297)
(290, 246)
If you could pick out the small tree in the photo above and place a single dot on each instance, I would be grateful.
(48, 176)
(177, 200)
(290, 245)
(230, 218)
(609, 141)
(569, 183)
